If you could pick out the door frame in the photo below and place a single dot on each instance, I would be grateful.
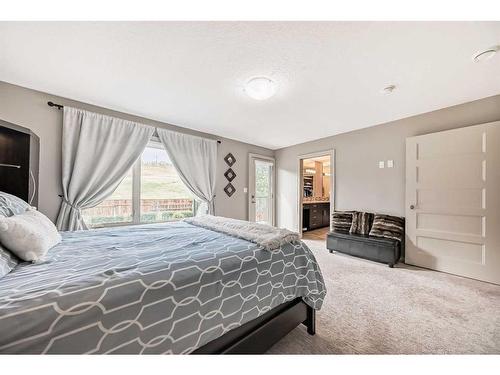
(251, 175)
(300, 184)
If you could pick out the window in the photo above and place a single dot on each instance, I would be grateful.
(114, 210)
(263, 191)
(163, 196)
(151, 192)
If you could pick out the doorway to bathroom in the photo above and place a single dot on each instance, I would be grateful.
(316, 183)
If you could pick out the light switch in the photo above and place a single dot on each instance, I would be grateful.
(381, 164)
(245, 190)
(390, 163)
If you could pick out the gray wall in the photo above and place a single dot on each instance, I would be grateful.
(360, 184)
(29, 108)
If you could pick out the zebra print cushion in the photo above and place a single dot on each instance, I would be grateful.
(388, 226)
(361, 223)
(341, 221)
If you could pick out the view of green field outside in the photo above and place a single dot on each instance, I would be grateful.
(263, 192)
(163, 195)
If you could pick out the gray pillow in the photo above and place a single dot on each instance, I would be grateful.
(8, 261)
(11, 205)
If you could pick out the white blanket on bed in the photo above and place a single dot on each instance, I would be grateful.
(264, 235)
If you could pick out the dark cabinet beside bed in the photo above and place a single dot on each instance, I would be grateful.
(315, 215)
(19, 152)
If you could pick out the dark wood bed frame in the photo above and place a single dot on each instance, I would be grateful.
(258, 335)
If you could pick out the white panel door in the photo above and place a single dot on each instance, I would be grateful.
(453, 201)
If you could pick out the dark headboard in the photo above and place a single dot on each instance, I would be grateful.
(19, 161)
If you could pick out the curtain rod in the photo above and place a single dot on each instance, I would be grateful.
(60, 106)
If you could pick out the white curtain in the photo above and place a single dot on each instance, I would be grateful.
(195, 159)
(97, 152)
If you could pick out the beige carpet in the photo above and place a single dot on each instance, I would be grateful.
(372, 309)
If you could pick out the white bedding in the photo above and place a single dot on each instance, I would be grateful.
(267, 236)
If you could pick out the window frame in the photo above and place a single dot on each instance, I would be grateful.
(154, 142)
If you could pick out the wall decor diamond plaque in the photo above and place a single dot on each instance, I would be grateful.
(229, 189)
(230, 174)
(230, 159)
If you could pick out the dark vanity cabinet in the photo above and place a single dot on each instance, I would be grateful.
(315, 215)
(19, 153)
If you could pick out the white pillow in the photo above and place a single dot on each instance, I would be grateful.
(28, 235)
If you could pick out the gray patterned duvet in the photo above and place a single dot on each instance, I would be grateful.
(162, 288)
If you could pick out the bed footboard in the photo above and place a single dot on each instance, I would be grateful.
(258, 335)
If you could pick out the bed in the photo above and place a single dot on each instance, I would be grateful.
(158, 288)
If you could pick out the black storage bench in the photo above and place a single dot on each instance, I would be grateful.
(378, 249)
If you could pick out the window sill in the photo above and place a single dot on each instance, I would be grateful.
(129, 224)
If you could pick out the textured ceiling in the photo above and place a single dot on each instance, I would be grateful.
(191, 74)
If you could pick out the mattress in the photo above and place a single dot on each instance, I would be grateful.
(149, 289)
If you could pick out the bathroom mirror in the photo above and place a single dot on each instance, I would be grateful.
(316, 178)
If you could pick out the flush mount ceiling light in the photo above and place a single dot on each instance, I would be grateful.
(260, 88)
(388, 89)
(486, 54)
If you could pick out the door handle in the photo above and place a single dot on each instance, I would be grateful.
(412, 207)
(253, 199)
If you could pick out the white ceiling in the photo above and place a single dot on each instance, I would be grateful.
(191, 74)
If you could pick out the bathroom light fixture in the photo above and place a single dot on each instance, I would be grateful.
(486, 54)
(260, 88)
(309, 170)
(388, 89)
